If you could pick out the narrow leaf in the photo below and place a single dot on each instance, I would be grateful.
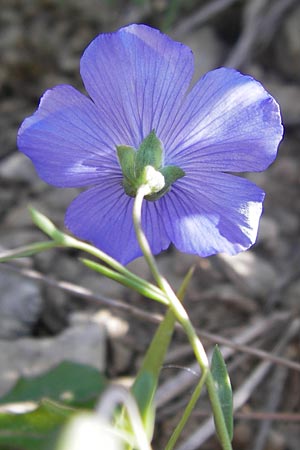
(146, 382)
(143, 287)
(223, 387)
(26, 250)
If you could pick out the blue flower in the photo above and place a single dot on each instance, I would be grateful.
(138, 80)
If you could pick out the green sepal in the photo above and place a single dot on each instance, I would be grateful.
(149, 154)
(223, 388)
(134, 163)
(171, 174)
(127, 157)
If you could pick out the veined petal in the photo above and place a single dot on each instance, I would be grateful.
(103, 216)
(138, 78)
(227, 123)
(217, 213)
(66, 140)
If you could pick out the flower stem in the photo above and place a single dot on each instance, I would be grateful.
(186, 414)
(182, 317)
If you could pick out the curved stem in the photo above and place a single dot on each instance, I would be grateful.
(182, 317)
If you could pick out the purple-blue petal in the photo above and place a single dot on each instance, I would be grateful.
(67, 141)
(138, 78)
(227, 123)
(103, 216)
(217, 213)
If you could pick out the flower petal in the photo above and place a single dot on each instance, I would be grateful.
(219, 213)
(228, 123)
(66, 141)
(103, 216)
(138, 78)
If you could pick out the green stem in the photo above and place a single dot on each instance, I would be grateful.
(182, 317)
(186, 414)
(64, 240)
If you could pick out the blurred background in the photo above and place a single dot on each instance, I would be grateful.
(252, 299)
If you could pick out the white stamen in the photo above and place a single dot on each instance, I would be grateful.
(153, 179)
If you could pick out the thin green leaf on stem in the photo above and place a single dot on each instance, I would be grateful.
(223, 388)
(64, 240)
(26, 250)
(146, 381)
(143, 287)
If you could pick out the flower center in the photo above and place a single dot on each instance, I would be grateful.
(144, 167)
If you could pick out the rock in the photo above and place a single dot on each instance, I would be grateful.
(288, 97)
(268, 232)
(208, 49)
(16, 167)
(59, 199)
(242, 435)
(287, 48)
(102, 285)
(20, 305)
(276, 441)
(140, 267)
(291, 297)
(121, 353)
(12, 238)
(249, 272)
(231, 297)
(7, 198)
(85, 344)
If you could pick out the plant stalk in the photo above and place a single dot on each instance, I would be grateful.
(182, 317)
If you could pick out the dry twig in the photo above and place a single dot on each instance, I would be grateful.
(96, 299)
(275, 393)
(204, 14)
(245, 391)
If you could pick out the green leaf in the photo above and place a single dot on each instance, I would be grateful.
(138, 284)
(26, 250)
(64, 383)
(223, 387)
(146, 382)
(34, 430)
(149, 154)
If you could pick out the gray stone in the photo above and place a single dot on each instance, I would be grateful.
(288, 46)
(288, 97)
(20, 305)
(251, 274)
(16, 167)
(208, 50)
(85, 344)
(268, 232)
(291, 298)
